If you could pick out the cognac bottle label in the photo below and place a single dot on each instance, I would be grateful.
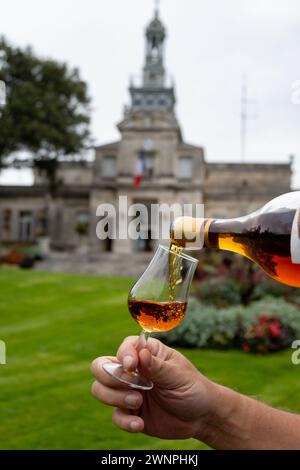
(295, 239)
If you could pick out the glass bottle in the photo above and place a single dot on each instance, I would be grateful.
(270, 236)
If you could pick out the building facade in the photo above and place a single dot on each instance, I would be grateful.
(174, 171)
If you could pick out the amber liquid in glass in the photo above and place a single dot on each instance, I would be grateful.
(157, 316)
(175, 268)
(162, 316)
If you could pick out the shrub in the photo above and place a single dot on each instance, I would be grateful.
(206, 326)
(82, 228)
(266, 334)
(219, 291)
(268, 287)
(288, 313)
(34, 252)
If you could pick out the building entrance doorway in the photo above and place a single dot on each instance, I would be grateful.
(145, 243)
(26, 226)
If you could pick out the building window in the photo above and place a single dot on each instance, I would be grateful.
(6, 224)
(150, 100)
(185, 167)
(58, 225)
(149, 166)
(41, 229)
(109, 166)
(82, 223)
(26, 226)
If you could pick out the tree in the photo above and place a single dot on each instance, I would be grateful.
(46, 112)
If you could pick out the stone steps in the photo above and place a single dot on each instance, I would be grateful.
(110, 264)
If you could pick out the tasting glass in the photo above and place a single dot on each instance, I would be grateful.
(153, 288)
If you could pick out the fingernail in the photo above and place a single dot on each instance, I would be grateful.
(127, 362)
(134, 426)
(131, 400)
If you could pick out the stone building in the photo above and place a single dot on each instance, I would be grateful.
(235, 189)
(174, 171)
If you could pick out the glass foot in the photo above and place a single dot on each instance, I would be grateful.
(132, 379)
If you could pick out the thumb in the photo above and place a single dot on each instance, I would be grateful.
(160, 371)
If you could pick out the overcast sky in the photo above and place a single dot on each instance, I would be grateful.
(210, 45)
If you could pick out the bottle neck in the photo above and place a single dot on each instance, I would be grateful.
(214, 229)
(206, 232)
(208, 236)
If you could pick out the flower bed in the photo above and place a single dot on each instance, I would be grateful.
(23, 255)
(266, 334)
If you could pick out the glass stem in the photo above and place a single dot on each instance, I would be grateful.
(142, 341)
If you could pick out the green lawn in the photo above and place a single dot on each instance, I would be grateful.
(54, 325)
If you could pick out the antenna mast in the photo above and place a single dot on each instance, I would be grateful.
(243, 119)
(245, 116)
(157, 5)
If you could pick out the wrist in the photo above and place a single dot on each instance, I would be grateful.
(228, 419)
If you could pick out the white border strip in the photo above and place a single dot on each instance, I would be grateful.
(295, 239)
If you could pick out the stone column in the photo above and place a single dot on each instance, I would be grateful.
(14, 230)
(95, 245)
(97, 197)
(1, 224)
(56, 222)
(121, 245)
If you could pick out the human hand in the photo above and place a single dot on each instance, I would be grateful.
(177, 406)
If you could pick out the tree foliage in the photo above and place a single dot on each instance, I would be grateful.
(46, 112)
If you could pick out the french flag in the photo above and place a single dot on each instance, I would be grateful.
(139, 170)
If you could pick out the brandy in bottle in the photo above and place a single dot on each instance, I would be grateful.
(270, 237)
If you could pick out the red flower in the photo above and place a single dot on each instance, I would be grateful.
(275, 329)
(246, 347)
(264, 318)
